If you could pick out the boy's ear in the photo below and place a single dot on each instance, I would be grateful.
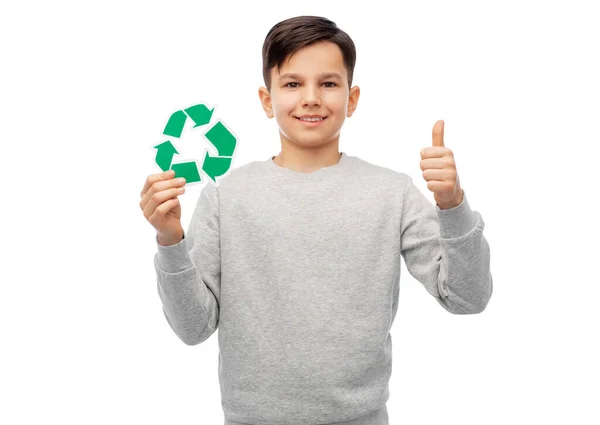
(353, 100)
(265, 100)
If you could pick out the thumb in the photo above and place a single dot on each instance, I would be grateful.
(438, 133)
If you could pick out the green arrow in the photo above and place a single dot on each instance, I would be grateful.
(215, 166)
(164, 154)
(187, 170)
(222, 139)
(200, 114)
(175, 125)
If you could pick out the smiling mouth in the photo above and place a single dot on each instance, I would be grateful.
(311, 119)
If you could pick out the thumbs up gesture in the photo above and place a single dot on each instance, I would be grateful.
(439, 170)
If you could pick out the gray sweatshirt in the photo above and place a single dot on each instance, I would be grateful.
(300, 273)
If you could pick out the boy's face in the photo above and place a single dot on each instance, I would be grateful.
(314, 81)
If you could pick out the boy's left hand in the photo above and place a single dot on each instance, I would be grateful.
(439, 170)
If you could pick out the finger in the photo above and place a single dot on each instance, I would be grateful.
(438, 133)
(162, 210)
(436, 163)
(153, 178)
(442, 175)
(158, 187)
(157, 199)
(437, 186)
(434, 152)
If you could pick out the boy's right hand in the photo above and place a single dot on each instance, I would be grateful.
(161, 206)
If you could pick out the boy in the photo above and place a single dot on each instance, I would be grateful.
(296, 259)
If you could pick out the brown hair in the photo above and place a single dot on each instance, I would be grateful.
(290, 35)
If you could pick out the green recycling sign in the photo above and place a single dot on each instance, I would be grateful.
(218, 135)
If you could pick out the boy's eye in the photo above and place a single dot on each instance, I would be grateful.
(328, 82)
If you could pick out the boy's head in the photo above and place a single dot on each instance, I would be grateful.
(308, 65)
(289, 36)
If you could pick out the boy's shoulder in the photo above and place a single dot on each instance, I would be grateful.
(365, 168)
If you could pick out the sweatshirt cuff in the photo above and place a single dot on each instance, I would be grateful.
(173, 258)
(458, 221)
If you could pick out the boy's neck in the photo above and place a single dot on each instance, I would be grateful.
(307, 162)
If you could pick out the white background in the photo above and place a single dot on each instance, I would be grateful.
(86, 90)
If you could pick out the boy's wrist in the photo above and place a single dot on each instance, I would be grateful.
(170, 240)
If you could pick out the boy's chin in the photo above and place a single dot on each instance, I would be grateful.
(308, 142)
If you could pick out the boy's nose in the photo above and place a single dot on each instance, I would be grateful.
(311, 97)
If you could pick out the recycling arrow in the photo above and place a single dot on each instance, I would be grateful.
(200, 114)
(164, 155)
(218, 135)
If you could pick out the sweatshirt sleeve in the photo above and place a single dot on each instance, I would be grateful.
(446, 251)
(189, 273)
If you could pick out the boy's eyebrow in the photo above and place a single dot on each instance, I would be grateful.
(324, 75)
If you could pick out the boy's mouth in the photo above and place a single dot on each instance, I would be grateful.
(311, 119)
